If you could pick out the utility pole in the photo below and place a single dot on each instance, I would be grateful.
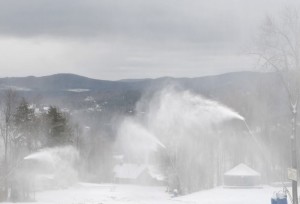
(294, 155)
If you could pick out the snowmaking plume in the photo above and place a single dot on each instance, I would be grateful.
(173, 108)
(57, 163)
(169, 116)
(134, 137)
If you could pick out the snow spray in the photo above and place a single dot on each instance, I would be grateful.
(169, 117)
(136, 139)
(182, 127)
(55, 164)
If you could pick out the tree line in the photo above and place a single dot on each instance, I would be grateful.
(25, 130)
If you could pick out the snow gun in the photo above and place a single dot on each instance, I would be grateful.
(279, 198)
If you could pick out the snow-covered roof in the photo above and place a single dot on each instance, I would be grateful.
(242, 170)
(133, 171)
(129, 171)
(119, 157)
(155, 173)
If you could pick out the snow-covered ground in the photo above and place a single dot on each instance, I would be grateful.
(86, 193)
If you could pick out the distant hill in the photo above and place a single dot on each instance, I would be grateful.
(246, 92)
(59, 82)
(63, 82)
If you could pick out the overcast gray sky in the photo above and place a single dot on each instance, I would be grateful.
(117, 39)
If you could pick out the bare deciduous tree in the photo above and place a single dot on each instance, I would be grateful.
(279, 49)
(8, 108)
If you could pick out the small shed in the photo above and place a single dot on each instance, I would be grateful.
(242, 176)
(137, 174)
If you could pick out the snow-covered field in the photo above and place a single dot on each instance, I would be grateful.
(86, 193)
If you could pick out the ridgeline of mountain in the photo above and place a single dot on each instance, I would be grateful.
(58, 82)
(250, 93)
(207, 85)
(67, 82)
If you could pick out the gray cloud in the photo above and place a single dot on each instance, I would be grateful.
(114, 39)
(157, 20)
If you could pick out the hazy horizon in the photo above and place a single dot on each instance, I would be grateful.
(145, 78)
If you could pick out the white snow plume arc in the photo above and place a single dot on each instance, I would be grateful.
(183, 108)
(134, 137)
(57, 162)
(170, 115)
(55, 154)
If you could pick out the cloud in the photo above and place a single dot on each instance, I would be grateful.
(114, 39)
(169, 19)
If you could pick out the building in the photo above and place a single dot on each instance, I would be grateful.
(137, 174)
(242, 176)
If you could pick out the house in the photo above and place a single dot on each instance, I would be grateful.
(242, 176)
(137, 174)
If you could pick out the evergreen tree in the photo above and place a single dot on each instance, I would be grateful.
(58, 131)
(25, 121)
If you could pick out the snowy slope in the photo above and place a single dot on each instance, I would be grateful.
(85, 193)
